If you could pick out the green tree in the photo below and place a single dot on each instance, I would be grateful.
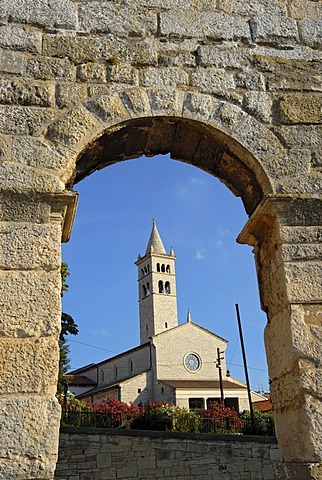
(68, 326)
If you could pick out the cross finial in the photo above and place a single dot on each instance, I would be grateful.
(154, 221)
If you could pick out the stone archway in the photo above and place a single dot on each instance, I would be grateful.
(78, 81)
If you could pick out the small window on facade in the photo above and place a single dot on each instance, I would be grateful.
(139, 390)
(144, 291)
(148, 268)
(162, 390)
(142, 272)
(160, 285)
(147, 328)
(148, 288)
(168, 269)
(158, 267)
(167, 288)
(163, 268)
(131, 366)
(196, 403)
(102, 376)
(145, 270)
(166, 324)
(115, 371)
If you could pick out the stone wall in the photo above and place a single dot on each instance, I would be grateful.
(99, 454)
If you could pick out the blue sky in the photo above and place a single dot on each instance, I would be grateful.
(197, 216)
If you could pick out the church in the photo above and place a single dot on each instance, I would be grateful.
(181, 364)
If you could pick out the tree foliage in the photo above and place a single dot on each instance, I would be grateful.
(68, 326)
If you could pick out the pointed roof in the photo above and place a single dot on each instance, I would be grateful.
(155, 244)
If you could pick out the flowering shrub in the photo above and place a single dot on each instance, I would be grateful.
(117, 414)
(220, 419)
(154, 416)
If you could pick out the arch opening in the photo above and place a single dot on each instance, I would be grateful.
(185, 140)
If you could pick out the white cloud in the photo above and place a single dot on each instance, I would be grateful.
(200, 253)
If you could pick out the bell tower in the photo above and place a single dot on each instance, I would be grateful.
(157, 288)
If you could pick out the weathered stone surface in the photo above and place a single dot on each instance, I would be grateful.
(68, 95)
(124, 74)
(50, 68)
(210, 80)
(24, 120)
(73, 128)
(91, 72)
(136, 101)
(18, 178)
(107, 107)
(275, 30)
(310, 31)
(222, 56)
(304, 281)
(20, 38)
(11, 62)
(174, 54)
(52, 13)
(217, 26)
(32, 362)
(252, 7)
(300, 9)
(163, 77)
(27, 246)
(5, 147)
(166, 102)
(110, 18)
(297, 108)
(33, 434)
(258, 104)
(20, 92)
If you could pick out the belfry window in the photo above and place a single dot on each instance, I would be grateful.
(158, 267)
(148, 288)
(160, 286)
(144, 291)
(163, 268)
(167, 288)
(167, 269)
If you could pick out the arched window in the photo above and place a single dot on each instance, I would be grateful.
(168, 269)
(158, 267)
(142, 272)
(144, 291)
(160, 285)
(163, 268)
(145, 270)
(167, 288)
(148, 288)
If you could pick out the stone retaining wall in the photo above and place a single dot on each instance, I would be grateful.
(103, 454)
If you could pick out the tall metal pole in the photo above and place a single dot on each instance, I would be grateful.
(245, 369)
(222, 400)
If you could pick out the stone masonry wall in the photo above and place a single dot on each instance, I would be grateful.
(98, 454)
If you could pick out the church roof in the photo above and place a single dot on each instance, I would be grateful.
(200, 384)
(155, 244)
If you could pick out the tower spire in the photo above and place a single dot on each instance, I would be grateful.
(155, 243)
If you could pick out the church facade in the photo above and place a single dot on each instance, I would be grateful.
(180, 364)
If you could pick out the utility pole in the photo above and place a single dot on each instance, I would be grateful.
(245, 369)
(218, 365)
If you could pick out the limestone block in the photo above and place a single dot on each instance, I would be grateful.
(311, 381)
(301, 234)
(23, 208)
(5, 147)
(29, 437)
(250, 80)
(179, 55)
(214, 25)
(304, 281)
(50, 68)
(11, 62)
(299, 108)
(29, 365)
(252, 7)
(274, 30)
(124, 74)
(163, 77)
(91, 72)
(73, 128)
(212, 80)
(24, 120)
(52, 13)
(22, 92)
(143, 53)
(301, 185)
(258, 104)
(21, 178)
(302, 252)
(30, 304)
(171, 4)
(300, 9)
(107, 108)
(198, 106)
(165, 102)
(304, 136)
(18, 37)
(221, 56)
(28, 246)
(108, 17)
(310, 31)
(68, 95)
(136, 101)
